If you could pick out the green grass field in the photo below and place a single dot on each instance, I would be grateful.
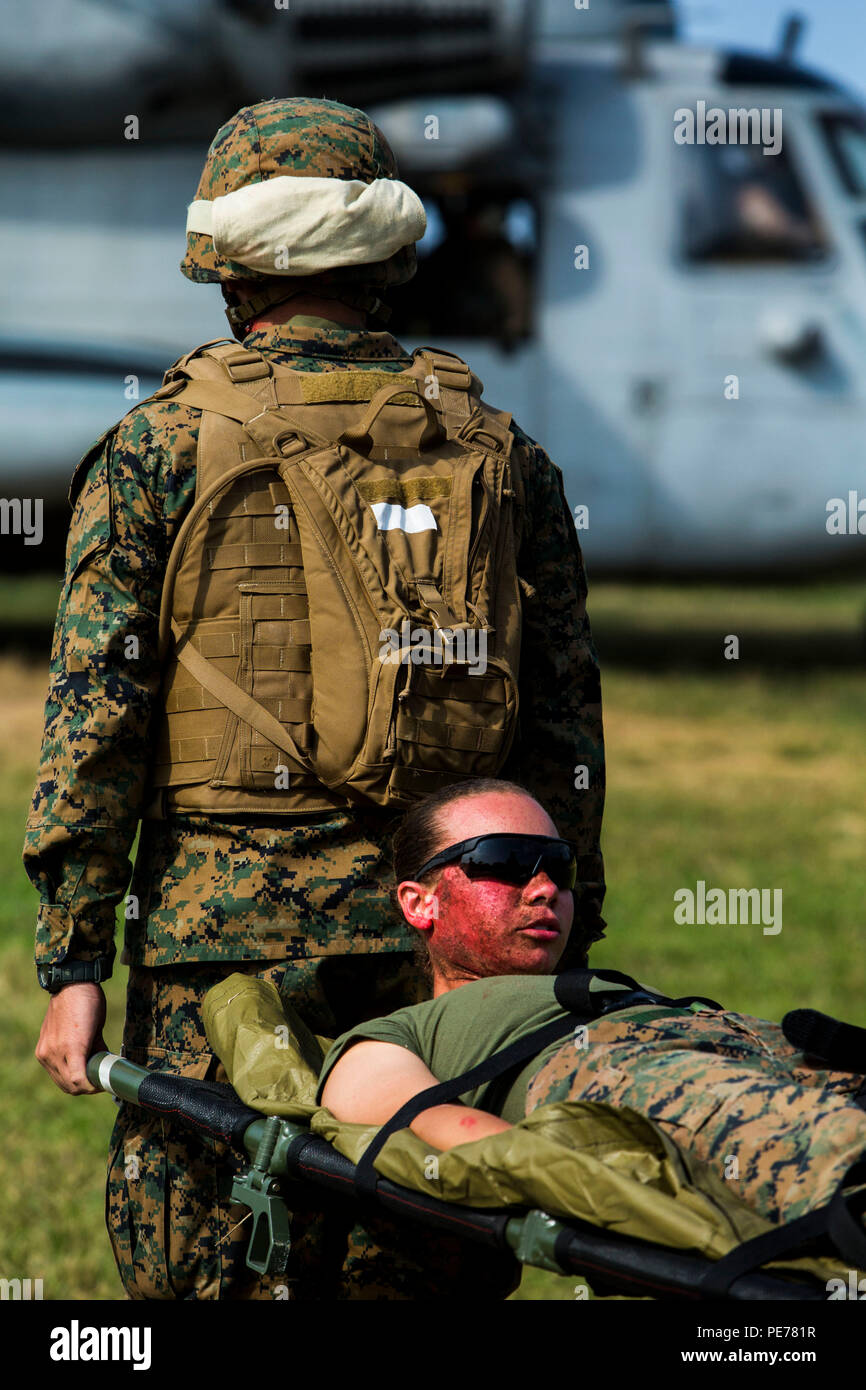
(734, 774)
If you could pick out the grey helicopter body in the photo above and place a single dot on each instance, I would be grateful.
(672, 303)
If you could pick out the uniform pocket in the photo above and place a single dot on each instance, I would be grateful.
(91, 529)
(134, 1204)
(687, 1110)
(163, 1200)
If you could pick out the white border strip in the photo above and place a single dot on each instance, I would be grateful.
(105, 1066)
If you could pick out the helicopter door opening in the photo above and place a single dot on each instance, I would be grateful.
(752, 434)
(476, 267)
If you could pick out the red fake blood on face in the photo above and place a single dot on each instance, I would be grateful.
(478, 929)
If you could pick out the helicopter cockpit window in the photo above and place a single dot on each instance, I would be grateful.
(739, 204)
(846, 136)
(476, 270)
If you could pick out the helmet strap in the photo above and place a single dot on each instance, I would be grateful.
(240, 314)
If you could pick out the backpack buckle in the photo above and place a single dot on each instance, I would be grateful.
(451, 371)
(479, 427)
(243, 365)
(433, 603)
(495, 444)
(289, 443)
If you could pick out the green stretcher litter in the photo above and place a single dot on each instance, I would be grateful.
(575, 1188)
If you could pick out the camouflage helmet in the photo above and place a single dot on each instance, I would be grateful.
(301, 137)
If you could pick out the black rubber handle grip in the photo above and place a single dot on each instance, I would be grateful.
(210, 1106)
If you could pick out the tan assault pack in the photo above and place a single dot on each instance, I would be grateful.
(341, 613)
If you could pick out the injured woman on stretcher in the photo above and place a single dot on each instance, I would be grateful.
(484, 878)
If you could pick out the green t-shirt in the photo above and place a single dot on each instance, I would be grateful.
(465, 1026)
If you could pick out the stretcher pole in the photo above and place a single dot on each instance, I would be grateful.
(281, 1150)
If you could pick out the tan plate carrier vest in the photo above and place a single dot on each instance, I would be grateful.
(315, 553)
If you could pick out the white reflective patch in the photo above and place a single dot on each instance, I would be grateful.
(393, 517)
(105, 1066)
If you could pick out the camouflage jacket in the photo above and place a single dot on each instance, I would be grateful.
(207, 890)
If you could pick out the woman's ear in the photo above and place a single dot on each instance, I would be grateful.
(419, 905)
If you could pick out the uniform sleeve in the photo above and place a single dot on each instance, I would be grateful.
(103, 679)
(397, 1028)
(560, 751)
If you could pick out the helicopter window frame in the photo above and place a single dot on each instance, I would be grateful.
(818, 256)
(829, 123)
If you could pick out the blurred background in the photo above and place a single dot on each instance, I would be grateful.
(683, 328)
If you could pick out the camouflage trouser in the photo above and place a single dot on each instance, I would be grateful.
(728, 1087)
(175, 1232)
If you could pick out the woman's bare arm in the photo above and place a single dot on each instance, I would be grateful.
(373, 1079)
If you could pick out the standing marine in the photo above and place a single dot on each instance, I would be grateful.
(239, 544)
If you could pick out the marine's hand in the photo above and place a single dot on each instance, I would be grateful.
(71, 1032)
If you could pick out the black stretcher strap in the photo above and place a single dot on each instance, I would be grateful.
(572, 990)
(573, 993)
(843, 1217)
(837, 1219)
(366, 1177)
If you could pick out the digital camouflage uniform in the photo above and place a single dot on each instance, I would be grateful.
(730, 1088)
(298, 900)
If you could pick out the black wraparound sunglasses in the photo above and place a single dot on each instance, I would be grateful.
(511, 858)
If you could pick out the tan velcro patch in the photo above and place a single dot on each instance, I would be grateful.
(404, 491)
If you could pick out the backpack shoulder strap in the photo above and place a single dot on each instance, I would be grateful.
(460, 393)
(838, 1221)
(220, 359)
(192, 365)
(459, 389)
(232, 386)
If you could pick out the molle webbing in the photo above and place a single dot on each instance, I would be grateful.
(301, 492)
(237, 709)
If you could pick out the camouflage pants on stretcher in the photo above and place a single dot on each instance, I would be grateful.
(174, 1230)
(728, 1087)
